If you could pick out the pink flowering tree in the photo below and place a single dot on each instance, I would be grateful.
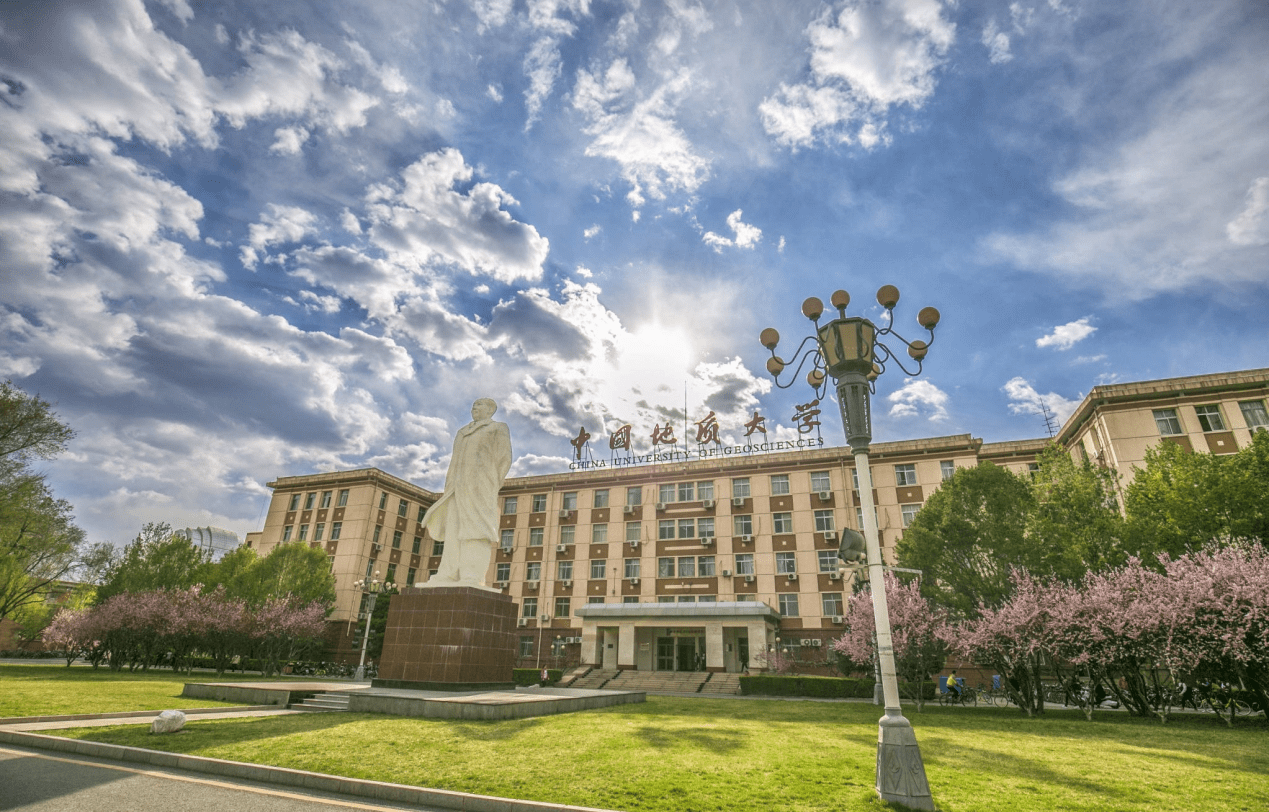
(67, 631)
(917, 632)
(281, 628)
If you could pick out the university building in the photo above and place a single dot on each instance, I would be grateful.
(709, 564)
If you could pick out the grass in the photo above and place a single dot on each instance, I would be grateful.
(720, 754)
(54, 690)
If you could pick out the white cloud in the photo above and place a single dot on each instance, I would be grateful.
(997, 43)
(1026, 400)
(1065, 336)
(747, 236)
(542, 66)
(918, 398)
(281, 224)
(1251, 226)
(289, 140)
(493, 92)
(864, 59)
(592, 231)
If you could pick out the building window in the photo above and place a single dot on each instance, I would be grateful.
(294, 504)
(529, 608)
(687, 528)
(309, 501)
(632, 568)
(821, 481)
(509, 505)
(786, 563)
(601, 499)
(705, 566)
(502, 572)
(634, 496)
(687, 599)
(634, 531)
(828, 560)
(831, 604)
(781, 522)
(318, 530)
(383, 500)
(417, 545)
(665, 529)
(1254, 414)
(564, 570)
(391, 577)
(409, 576)
(370, 565)
(909, 513)
(859, 517)
(536, 536)
(325, 503)
(568, 533)
(539, 503)
(597, 567)
(526, 644)
(905, 475)
(824, 521)
(947, 468)
(286, 532)
(1209, 417)
(742, 525)
(686, 491)
(624, 599)
(708, 598)
(665, 599)
(744, 563)
(740, 488)
(335, 529)
(687, 567)
(570, 500)
(396, 540)
(421, 515)
(303, 536)
(704, 490)
(665, 492)
(599, 534)
(854, 478)
(779, 484)
(342, 501)
(705, 528)
(789, 605)
(438, 548)
(1167, 421)
(378, 530)
(533, 571)
(432, 573)
(507, 538)
(403, 508)
(665, 567)
(562, 607)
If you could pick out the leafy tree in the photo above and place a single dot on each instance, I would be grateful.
(38, 536)
(968, 535)
(289, 572)
(156, 559)
(1181, 501)
(379, 624)
(1074, 523)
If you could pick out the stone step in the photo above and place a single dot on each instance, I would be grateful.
(319, 703)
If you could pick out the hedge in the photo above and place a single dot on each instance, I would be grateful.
(825, 687)
(533, 676)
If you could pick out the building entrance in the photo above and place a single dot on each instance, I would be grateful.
(680, 654)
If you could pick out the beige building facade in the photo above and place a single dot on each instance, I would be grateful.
(709, 564)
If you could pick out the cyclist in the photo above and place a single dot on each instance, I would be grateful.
(953, 687)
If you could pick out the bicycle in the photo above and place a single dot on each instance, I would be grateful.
(965, 696)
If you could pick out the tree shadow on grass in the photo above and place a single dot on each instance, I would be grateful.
(493, 730)
(714, 741)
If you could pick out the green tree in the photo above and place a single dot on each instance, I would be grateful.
(968, 535)
(1074, 523)
(156, 559)
(1181, 501)
(289, 571)
(39, 541)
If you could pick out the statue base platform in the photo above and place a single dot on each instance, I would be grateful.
(448, 639)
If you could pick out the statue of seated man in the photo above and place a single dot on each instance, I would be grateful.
(466, 515)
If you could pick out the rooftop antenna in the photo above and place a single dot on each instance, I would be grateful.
(1050, 419)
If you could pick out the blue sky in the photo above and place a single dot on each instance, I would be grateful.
(248, 240)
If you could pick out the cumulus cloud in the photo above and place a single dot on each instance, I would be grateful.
(747, 236)
(1026, 400)
(997, 43)
(864, 60)
(1065, 336)
(919, 398)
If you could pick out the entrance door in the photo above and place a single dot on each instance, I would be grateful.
(742, 648)
(687, 653)
(665, 653)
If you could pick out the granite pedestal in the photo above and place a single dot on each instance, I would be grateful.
(448, 639)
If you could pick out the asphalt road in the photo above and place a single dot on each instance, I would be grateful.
(37, 781)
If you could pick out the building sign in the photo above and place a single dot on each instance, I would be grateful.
(663, 444)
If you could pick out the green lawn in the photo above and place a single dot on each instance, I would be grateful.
(55, 690)
(719, 754)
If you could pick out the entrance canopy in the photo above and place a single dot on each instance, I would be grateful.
(650, 636)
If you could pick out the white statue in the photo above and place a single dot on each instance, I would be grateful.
(466, 515)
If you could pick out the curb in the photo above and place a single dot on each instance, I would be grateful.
(80, 717)
(378, 790)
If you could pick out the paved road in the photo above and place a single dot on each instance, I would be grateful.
(38, 781)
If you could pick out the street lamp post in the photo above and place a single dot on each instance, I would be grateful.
(372, 587)
(852, 352)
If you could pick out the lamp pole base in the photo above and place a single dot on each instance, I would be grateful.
(900, 770)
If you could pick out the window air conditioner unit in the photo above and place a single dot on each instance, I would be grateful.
(361, 615)
(792, 576)
(738, 501)
(507, 549)
(825, 496)
(707, 503)
(500, 584)
(838, 619)
(660, 505)
(522, 622)
(530, 584)
(829, 535)
(564, 514)
(834, 576)
(574, 640)
(628, 509)
(634, 581)
(749, 579)
(545, 618)
(566, 584)
(634, 543)
(726, 573)
(561, 548)
(746, 539)
(707, 541)
(377, 547)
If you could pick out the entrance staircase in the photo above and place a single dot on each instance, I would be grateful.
(594, 680)
(722, 684)
(322, 703)
(675, 682)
